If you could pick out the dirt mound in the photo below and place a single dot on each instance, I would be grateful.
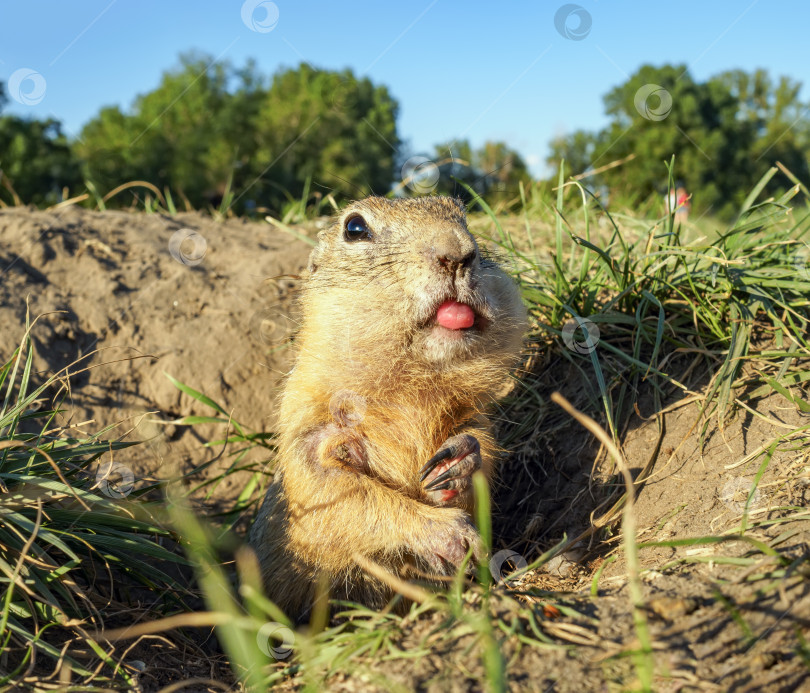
(144, 294)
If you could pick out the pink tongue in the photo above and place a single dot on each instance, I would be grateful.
(455, 316)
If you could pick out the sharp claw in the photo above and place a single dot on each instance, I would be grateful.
(442, 487)
(444, 476)
(426, 471)
(433, 461)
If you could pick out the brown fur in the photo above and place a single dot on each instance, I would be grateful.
(375, 392)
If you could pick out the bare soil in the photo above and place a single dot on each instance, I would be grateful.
(122, 307)
(121, 297)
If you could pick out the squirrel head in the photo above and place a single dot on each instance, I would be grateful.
(406, 275)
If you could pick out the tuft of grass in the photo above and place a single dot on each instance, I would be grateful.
(237, 443)
(647, 294)
(308, 206)
(74, 532)
(735, 300)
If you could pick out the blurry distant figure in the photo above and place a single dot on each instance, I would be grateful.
(682, 205)
(678, 201)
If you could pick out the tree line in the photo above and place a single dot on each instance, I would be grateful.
(211, 132)
(725, 133)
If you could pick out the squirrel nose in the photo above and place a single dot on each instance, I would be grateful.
(453, 261)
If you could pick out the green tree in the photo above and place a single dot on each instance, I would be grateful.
(577, 149)
(36, 161)
(724, 132)
(208, 126)
(190, 134)
(659, 112)
(504, 168)
(328, 127)
(494, 169)
(460, 151)
(775, 114)
(456, 162)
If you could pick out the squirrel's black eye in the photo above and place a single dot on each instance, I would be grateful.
(357, 230)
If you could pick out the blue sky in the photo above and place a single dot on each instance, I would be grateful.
(480, 70)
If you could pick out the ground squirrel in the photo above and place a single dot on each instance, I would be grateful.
(407, 335)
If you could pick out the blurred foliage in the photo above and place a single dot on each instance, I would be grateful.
(494, 170)
(725, 134)
(338, 130)
(215, 136)
(36, 161)
(209, 129)
(189, 143)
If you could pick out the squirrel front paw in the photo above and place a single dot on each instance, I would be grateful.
(449, 472)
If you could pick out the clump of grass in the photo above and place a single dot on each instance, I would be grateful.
(650, 296)
(147, 197)
(73, 532)
(238, 442)
(307, 206)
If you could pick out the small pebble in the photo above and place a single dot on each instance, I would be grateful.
(670, 608)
